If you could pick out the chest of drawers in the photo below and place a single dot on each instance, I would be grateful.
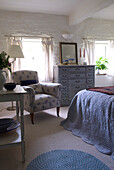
(73, 79)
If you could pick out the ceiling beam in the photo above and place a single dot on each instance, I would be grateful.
(86, 9)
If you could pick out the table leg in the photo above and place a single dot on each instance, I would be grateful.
(17, 110)
(22, 129)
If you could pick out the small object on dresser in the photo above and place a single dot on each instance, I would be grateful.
(65, 62)
(71, 60)
(9, 86)
(85, 63)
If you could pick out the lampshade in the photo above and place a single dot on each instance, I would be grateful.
(15, 51)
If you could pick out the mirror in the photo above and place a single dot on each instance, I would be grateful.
(68, 53)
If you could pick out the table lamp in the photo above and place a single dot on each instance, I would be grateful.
(14, 51)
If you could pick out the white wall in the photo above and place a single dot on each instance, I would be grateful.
(23, 23)
(104, 80)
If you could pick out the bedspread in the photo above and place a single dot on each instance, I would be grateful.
(91, 117)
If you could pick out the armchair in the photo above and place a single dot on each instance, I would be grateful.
(40, 96)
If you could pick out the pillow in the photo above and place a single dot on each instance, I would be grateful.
(37, 87)
(27, 82)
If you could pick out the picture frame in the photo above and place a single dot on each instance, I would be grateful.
(68, 53)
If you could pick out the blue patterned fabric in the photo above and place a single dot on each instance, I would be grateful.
(37, 87)
(66, 160)
(40, 96)
(23, 75)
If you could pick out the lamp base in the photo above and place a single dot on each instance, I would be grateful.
(11, 108)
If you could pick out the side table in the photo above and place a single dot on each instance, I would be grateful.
(14, 95)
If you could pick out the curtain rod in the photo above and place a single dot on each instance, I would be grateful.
(99, 38)
(26, 36)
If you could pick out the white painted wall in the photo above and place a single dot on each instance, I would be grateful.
(22, 23)
(104, 80)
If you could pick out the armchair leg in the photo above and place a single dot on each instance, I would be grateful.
(32, 117)
(58, 109)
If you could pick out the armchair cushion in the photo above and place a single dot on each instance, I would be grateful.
(41, 99)
(27, 82)
(37, 87)
(45, 101)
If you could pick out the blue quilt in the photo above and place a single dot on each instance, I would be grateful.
(91, 117)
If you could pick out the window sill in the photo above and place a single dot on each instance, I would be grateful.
(101, 74)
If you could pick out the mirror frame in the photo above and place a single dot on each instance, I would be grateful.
(61, 52)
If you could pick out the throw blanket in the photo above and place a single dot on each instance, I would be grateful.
(107, 90)
(91, 116)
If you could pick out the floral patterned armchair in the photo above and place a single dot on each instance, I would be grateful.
(40, 96)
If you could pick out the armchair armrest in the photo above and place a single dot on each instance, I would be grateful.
(29, 90)
(29, 98)
(52, 89)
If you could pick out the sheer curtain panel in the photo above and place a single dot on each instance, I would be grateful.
(89, 46)
(48, 48)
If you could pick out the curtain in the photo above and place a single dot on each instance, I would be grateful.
(111, 59)
(89, 46)
(48, 48)
(16, 65)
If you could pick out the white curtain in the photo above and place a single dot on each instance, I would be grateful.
(48, 48)
(16, 65)
(89, 46)
(111, 59)
(15, 41)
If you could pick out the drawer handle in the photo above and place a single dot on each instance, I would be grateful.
(89, 81)
(77, 86)
(90, 69)
(64, 75)
(63, 81)
(77, 75)
(77, 69)
(64, 69)
(64, 99)
(90, 75)
(77, 81)
(89, 86)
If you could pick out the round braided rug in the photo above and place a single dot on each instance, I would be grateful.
(66, 160)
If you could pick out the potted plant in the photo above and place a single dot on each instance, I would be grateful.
(101, 64)
(4, 63)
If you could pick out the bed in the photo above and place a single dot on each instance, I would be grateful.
(91, 117)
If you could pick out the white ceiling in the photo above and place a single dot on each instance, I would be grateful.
(77, 10)
(107, 13)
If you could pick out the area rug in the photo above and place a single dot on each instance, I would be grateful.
(66, 160)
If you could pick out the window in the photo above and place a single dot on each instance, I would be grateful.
(101, 49)
(34, 56)
(38, 55)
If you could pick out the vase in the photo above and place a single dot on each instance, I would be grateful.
(2, 78)
(98, 71)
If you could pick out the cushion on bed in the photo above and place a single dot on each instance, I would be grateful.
(107, 90)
